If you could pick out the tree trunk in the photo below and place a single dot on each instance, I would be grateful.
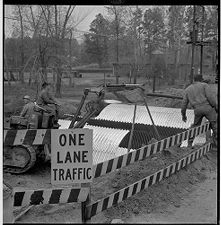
(54, 77)
(116, 73)
(30, 78)
(7, 70)
(175, 67)
(58, 83)
(44, 73)
(71, 84)
(187, 65)
(130, 75)
(21, 73)
(135, 73)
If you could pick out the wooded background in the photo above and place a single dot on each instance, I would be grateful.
(137, 42)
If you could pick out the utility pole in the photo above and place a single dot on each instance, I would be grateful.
(136, 45)
(193, 44)
(70, 58)
(201, 46)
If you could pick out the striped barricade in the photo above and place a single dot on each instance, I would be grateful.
(121, 195)
(27, 137)
(43, 136)
(50, 196)
(146, 151)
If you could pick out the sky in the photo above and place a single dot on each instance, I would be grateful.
(80, 11)
(88, 12)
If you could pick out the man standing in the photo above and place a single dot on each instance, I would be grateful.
(46, 100)
(204, 103)
(27, 110)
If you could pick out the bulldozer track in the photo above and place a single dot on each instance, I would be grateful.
(17, 170)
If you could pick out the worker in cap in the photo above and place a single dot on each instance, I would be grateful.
(204, 102)
(48, 102)
(28, 108)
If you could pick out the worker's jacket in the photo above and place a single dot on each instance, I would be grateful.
(198, 94)
(45, 98)
(27, 110)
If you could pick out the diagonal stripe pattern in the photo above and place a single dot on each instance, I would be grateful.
(146, 151)
(27, 137)
(121, 195)
(50, 196)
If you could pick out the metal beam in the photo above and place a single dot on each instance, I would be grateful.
(132, 129)
(155, 129)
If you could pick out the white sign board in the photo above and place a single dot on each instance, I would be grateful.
(71, 156)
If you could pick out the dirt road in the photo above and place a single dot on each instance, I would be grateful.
(199, 206)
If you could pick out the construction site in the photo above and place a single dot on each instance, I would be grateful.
(119, 150)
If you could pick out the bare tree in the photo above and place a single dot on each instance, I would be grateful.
(60, 33)
(50, 28)
(118, 16)
(20, 16)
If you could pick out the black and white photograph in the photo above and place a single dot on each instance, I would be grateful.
(110, 113)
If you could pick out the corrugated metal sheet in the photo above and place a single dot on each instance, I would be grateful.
(128, 126)
(106, 143)
(162, 116)
(142, 137)
(112, 128)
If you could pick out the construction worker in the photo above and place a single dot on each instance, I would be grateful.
(204, 103)
(27, 110)
(46, 101)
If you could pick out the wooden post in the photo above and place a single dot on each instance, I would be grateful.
(8, 197)
(84, 213)
(132, 129)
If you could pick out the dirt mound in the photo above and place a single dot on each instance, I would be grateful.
(158, 196)
(134, 96)
(66, 108)
(131, 95)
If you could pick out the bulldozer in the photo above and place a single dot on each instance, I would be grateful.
(19, 159)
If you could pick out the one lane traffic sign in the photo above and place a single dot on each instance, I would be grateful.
(71, 156)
